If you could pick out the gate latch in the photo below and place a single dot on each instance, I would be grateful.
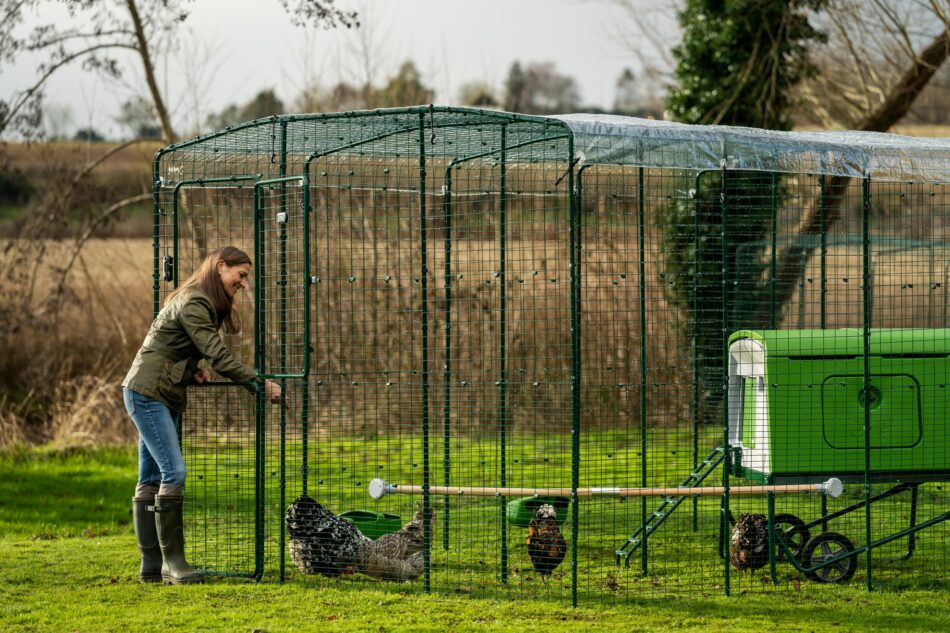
(168, 268)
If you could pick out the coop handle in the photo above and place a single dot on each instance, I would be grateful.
(379, 488)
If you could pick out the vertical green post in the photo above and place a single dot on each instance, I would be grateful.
(866, 392)
(773, 555)
(424, 280)
(308, 350)
(773, 259)
(823, 300)
(823, 237)
(258, 263)
(156, 235)
(447, 369)
(305, 388)
(576, 235)
(695, 308)
(641, 247)
(175, 258)
(727, 461)
(502, 346)
(259, 295)
(259, 485)
(282, 358)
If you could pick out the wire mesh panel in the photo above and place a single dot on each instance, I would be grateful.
(193, 218)
(503, 395)
(906, 391)
(362, 399)
(638, 396)
(282, 291)
(515, 329)
(219, 432)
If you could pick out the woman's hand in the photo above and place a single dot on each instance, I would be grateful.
(203, 375)
(273, 392)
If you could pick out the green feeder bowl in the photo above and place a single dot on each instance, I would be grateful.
(521, 511)
(373, 524)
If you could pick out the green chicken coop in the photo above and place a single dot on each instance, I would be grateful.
(800, 401)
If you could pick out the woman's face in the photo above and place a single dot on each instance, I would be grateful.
(233, 278)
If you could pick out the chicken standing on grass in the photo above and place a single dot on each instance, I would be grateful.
(750, 542)
(546, 545)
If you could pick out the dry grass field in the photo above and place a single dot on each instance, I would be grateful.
(67, 339)
(63, 369)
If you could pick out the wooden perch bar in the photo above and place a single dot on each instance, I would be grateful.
(379, 489)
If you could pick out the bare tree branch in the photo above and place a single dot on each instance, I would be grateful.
(90, 166)
(103, 217)
(793, 259)
(149, 68)
(650, 23)
(902, 95)
(24, 97)
(67, 36)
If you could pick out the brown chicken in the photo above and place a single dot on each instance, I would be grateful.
(397, 556)
(546, 545)
(750, 542)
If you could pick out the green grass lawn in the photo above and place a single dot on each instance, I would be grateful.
(68, 562)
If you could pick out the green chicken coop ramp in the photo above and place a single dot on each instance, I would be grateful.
(668, 506)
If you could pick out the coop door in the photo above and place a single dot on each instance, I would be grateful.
(282, 277)
(219, 427)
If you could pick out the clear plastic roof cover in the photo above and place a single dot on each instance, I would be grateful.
(610, 139)
(466, 133)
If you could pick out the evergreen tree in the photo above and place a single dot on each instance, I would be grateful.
(515, 89)
(264, 104)
(737, 64)
(627, 96)
(739, 60)
(540, 89)
(404, 89)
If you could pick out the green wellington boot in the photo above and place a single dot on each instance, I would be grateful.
(143, 518)
(171, 537)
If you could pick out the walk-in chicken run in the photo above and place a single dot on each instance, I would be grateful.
(573, 357)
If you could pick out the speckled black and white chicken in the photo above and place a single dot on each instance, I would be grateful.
(397, 556)
(321, 542)
(750, 542)
(546, 545)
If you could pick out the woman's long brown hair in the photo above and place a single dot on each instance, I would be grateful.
(207, 279)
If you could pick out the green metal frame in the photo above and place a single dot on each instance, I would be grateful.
(778, 543)
(158, 212)
(420, 122)
(260, 272)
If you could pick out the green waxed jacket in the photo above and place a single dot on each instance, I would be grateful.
(184, 332)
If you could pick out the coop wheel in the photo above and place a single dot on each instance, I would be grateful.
(794, 532)
(826, 547)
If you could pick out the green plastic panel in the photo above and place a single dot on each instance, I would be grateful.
(895, 411)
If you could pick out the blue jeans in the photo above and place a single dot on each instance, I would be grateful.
(160, 458)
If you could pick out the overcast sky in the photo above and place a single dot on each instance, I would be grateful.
(234, 48)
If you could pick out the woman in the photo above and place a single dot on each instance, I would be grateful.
(184, 332)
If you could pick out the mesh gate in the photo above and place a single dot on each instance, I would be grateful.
(495, 312)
